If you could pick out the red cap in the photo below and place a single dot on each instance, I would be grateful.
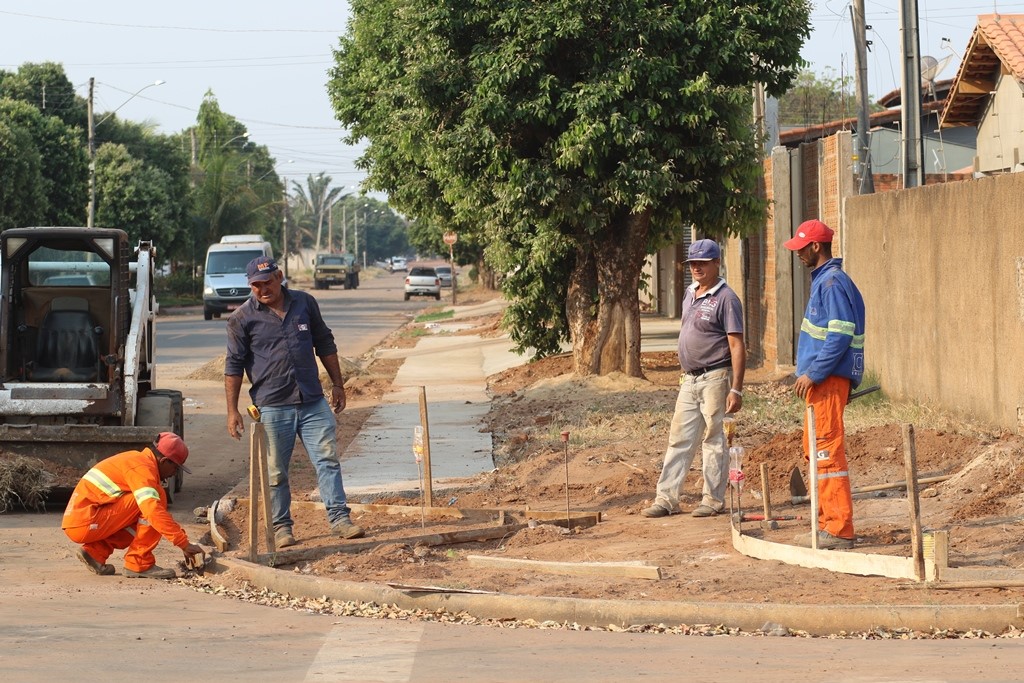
(809, 231)
(170, 445)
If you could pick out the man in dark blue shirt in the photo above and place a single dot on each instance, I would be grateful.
(274, 337)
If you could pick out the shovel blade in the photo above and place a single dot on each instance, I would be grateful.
(797, 487)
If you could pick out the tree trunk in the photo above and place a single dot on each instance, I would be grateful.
(603, 302)
(319, 228)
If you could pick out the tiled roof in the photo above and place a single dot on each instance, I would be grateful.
(997, 43)
(894, 98)
(794, 136)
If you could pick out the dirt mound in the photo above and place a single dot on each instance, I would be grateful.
(618, 428)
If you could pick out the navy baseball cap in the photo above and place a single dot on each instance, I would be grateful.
(260, 269)
(704, 250)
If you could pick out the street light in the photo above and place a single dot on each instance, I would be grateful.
(243, 135)
(290, 161)
(92, 143)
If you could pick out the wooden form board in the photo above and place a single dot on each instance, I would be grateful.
(629, 570)
(580, 518)
(219, 541)
(449, 538)
(844, 561)
(939, 572)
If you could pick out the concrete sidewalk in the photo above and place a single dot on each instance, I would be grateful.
(453, 372)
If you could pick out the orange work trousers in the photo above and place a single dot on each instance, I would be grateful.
(835, 502)
(119, 525)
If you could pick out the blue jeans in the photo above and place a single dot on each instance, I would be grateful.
(314, 423)
(697, 421)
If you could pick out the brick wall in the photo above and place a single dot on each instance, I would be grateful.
(887, 182)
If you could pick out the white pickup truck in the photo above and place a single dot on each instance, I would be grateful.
(422, 281)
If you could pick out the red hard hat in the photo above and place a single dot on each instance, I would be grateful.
(170, 445)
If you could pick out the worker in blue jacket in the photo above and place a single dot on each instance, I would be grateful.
(829, 364)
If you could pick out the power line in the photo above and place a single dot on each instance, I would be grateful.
(174, 28)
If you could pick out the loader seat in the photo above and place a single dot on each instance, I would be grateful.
(67, 346)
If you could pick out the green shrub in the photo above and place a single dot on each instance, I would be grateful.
(179, 284)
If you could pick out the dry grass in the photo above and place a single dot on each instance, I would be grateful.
(24, 483)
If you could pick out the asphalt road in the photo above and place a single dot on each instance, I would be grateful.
(359, 317)
(59, 622)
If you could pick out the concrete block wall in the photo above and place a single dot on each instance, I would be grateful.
(941, 269)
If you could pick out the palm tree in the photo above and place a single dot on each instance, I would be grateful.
(316, 198)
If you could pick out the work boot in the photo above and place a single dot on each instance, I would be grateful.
(826, 541)
(283, 537)
(153, 572)
(704, 511)
(655, 511)
(94, 566)
(346, 529)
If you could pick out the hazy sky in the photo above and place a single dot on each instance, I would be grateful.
(267, 62)
(831, 43)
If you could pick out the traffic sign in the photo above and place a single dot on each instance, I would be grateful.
(450, 237)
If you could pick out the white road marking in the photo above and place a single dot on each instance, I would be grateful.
(353, 653)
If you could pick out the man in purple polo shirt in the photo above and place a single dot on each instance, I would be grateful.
(713, 359)
(273, 338)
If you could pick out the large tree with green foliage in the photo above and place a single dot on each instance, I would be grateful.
(63, 164)
(134, 197)
(236, 188)
(578, 137)
(47, 88)
(22, 198)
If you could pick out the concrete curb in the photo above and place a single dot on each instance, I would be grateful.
(815, 619)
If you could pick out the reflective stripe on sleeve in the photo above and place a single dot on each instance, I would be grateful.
(103, 483)
(146, 493)
(841, 326)
(835, 326)
(813, 330)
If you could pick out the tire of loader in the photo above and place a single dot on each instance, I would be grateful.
(157, 410)
(177, 425)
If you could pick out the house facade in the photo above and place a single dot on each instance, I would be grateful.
(988, 93)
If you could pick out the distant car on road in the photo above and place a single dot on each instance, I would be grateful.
(422, 281)
(444, 274)
(398, 263)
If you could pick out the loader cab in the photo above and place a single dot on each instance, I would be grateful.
(65, 304)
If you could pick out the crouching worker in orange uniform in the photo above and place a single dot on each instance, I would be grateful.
(120, 503)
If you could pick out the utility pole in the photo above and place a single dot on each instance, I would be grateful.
(284, 229)
(330, 228)
(910, 50)
(344, 229)
(91, 210)
(860, 41)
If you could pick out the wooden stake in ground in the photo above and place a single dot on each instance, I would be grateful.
(568, 516)
(428, 491)
(259, 492)
(766, 499)
(910, 462)
(812, 449)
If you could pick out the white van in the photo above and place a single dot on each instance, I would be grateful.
(225, 286)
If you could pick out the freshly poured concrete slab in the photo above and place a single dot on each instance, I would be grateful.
(453, 371)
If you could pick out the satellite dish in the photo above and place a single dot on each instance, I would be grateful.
(930, 69)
